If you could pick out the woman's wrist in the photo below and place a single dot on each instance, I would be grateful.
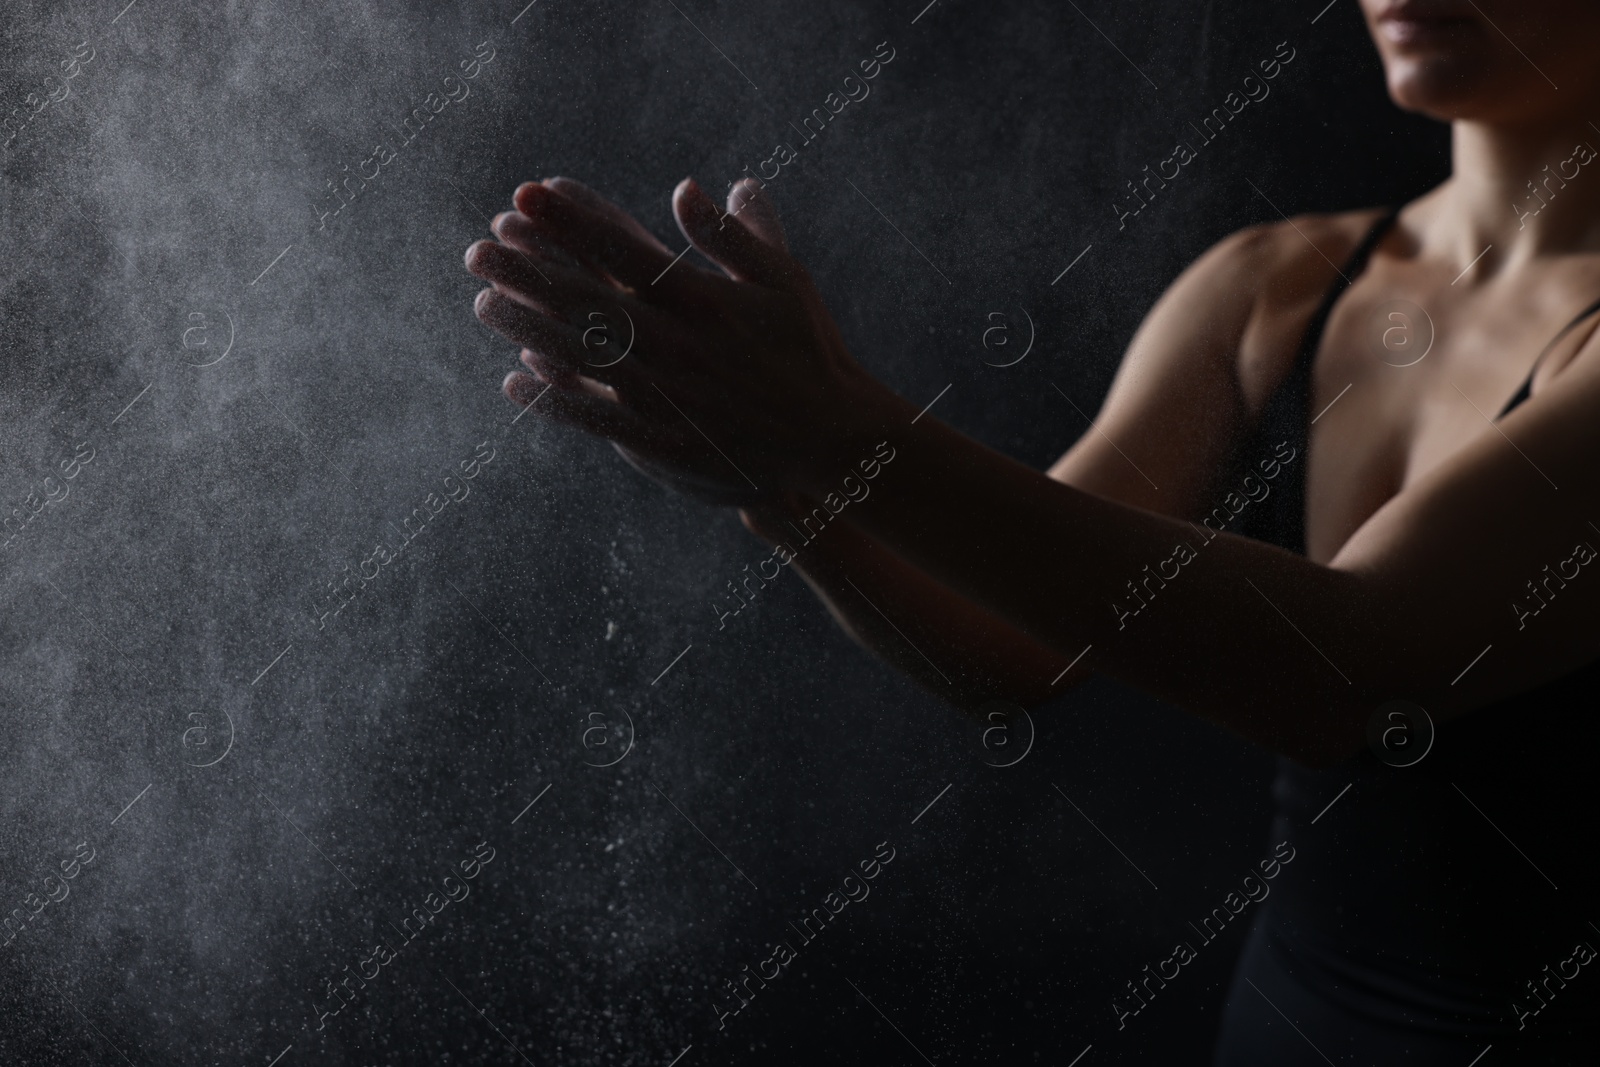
(854, 442)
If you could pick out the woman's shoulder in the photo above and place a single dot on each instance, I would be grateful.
(1212, 348)
(1285, 269)
(1266, 275)
(1244, 299)
(1279, 261)
(1291, 255)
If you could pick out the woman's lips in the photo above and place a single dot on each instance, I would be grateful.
(1401, 30)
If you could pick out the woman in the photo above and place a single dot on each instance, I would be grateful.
(1401, 406)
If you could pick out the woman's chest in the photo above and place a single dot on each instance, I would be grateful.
(1401, 383)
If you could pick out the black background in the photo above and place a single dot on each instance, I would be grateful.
(377, 751)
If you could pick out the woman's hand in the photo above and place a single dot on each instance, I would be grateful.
(731, 387)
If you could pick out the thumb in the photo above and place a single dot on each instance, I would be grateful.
(727, 242)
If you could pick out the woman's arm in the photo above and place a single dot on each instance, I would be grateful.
(1282, 650)
(1288, 652)
(941, 640)
(1156, 443)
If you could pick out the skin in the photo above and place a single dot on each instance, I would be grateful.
(1423, 519)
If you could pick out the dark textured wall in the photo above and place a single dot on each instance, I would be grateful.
(268, 787)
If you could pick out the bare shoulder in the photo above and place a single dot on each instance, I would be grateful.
(1205, 358)
(1248, 299)
(1307, 252)
(1264, 271)
(1294, 263)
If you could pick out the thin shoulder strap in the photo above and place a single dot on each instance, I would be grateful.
(1526, 389)
(1353, 266)
(1285, 416)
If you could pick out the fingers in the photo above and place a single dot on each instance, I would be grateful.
(560, 344)
(550, 370)
(572, 405)
(552, 288)
(517, 233)
(751, 205)
(611, 324)
(582, 194)
(726, 241)
(618, 250)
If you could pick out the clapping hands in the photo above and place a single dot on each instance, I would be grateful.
(736, 386)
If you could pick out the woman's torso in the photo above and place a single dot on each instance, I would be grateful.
(1425, 897)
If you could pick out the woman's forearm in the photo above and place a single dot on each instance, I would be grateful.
(1253, 637)
(943, 641)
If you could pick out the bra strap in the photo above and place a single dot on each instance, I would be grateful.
(1284, 419)
(1353, 266)
(1525, 390)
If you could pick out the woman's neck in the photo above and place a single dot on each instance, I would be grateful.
(1525, 191)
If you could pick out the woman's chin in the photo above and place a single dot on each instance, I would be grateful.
(1452, 85)
(1444, 88)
